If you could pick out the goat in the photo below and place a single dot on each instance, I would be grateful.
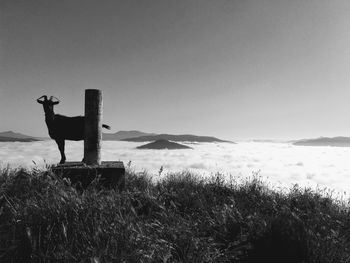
(61, 127)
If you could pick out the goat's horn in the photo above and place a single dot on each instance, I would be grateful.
(44, 96)
(42, 101)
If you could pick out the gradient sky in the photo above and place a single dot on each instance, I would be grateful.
(235, 69)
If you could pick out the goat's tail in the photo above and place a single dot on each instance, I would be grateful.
(106, 126)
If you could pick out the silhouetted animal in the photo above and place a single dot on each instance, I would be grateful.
(61, 127)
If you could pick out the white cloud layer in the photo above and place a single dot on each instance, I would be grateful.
(281, 164)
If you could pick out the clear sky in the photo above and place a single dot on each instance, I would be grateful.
(235, 69)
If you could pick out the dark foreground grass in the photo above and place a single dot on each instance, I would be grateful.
(179, 219)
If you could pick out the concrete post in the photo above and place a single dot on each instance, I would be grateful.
(112, 173)
(93, 127)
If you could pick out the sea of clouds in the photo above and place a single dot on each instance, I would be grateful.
(281, 165)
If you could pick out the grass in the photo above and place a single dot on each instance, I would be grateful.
(181, 218)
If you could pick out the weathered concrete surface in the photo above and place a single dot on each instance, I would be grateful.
(93, 126)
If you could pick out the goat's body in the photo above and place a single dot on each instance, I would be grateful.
(66, 128)
(61, 127)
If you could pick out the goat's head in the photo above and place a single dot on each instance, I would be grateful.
(48, 103)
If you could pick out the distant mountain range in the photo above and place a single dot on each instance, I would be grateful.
(10, 136)
(8, 139)
(176, 138)
(163, 144)
(325, 141)
(121, 135)
(132, 136)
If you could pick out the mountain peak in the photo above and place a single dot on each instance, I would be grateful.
(10, 136)
(8, 132)
(163, 144)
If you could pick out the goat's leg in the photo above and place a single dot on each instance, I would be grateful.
(60, 144)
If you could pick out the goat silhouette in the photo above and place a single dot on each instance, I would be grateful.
(61, 127)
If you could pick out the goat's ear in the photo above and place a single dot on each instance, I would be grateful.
(55, 102)
(39, 101)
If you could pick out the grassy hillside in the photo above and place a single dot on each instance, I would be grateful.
(178, 219)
